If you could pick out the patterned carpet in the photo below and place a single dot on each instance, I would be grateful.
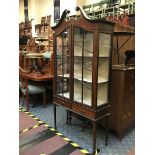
(84, 138)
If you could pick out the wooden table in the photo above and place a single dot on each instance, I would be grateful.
(39, 77)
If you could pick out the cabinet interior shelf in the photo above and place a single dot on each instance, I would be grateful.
(86, 79)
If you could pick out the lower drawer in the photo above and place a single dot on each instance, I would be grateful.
(62, 102)
(83, 111)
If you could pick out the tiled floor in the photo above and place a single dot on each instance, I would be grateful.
(84, 139)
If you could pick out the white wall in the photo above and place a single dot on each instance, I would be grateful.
(80, 2)
(40, 8)
(87, 2)
(36, 10)
(71, 6)
(68, 4)
(21, 11)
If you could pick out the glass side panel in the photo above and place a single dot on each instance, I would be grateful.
(102, 93)
(63, 64)
(103, 68)
(104, 44)
(83, 55)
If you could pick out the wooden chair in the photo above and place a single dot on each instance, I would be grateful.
(28, 88)
(43, 20)
(48, 20)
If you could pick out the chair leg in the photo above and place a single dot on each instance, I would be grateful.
(19, 100)
(27, 102)
(44, 99)
(22, 99)
(19, 97)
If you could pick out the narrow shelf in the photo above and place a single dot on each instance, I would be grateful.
(89, 79)
(91, 56)
(65, 94)
(34, 55)
(83, 56)
(85, 79)
(87, 100)
(65, 75)
(87, 93)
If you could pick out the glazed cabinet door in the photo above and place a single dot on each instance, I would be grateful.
(63, 64)
(83, 56)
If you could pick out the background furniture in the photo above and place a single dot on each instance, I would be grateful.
(28, 88)
(111, 10)
(122, 99)
(82, 61)
(25, 29)
(123, 40)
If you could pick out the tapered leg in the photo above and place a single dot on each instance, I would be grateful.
(67, 116)
(106, 130)
(55, 116)
(83, 124)
(94, 136)
(70, 116)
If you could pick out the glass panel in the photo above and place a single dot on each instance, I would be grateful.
(102, 93)
(63, 62)
(104, 45)
(83, 54)
(103, 68)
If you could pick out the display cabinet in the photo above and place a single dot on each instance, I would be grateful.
(82, 62)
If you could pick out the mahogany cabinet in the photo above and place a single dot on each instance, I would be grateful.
(122, 99)
(82, 66)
